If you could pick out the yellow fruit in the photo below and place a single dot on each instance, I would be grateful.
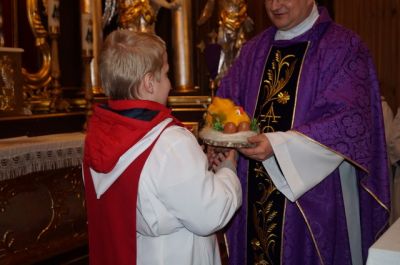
(224, 110)
(220, 105)
(237, 116)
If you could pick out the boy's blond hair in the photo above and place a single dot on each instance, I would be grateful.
(126, 57)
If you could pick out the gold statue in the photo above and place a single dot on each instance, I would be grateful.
(233, 26)
(141, 15)
(137, 15)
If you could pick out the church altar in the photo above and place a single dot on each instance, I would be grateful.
(42, 206)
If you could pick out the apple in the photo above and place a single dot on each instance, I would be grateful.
(230, 127)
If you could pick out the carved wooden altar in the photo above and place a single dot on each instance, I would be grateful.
(42, 211)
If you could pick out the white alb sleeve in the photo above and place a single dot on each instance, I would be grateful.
(298, 163)
(203, 201)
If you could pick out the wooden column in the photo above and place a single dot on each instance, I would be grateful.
(378, 24)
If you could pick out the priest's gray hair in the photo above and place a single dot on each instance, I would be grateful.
(125, 59)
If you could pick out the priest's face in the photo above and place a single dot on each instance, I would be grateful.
(286, 14)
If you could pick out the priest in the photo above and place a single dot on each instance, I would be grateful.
(316, 183)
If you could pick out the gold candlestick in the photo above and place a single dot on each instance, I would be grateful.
(54, 69)
(87, 56)
(213, 87)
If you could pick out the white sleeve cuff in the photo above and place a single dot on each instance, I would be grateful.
(298, 163)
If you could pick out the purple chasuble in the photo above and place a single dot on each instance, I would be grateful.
(338, 105)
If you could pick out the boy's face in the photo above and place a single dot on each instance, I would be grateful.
(163, 86)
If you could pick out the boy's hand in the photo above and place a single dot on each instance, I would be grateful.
(217, 155)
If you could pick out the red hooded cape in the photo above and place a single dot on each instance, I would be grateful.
(112, 216)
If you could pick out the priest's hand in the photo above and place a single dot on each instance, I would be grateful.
(262, 150)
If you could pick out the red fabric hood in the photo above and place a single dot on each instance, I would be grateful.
(110, 134)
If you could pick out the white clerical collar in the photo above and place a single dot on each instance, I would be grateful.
(299, 29)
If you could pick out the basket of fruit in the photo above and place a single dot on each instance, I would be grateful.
(227, 125)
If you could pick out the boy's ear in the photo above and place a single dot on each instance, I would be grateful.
(148, 83)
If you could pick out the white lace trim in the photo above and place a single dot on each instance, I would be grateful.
(24, 155)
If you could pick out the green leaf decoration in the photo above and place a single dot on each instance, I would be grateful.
(217, 125)
(254, 125)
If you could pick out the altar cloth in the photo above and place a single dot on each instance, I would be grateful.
(386, 250)
(24, 155)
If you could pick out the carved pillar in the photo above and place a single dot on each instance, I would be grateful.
(182, 47)
(87, 54)
(1, 26)
(97, 43)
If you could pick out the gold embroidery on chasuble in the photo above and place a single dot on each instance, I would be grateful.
(274, 111)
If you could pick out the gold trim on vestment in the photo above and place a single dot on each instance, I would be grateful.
(375, 197)
(283, 229)
(381, 204)
(311, 232)
(297, 85)
(261, 80)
